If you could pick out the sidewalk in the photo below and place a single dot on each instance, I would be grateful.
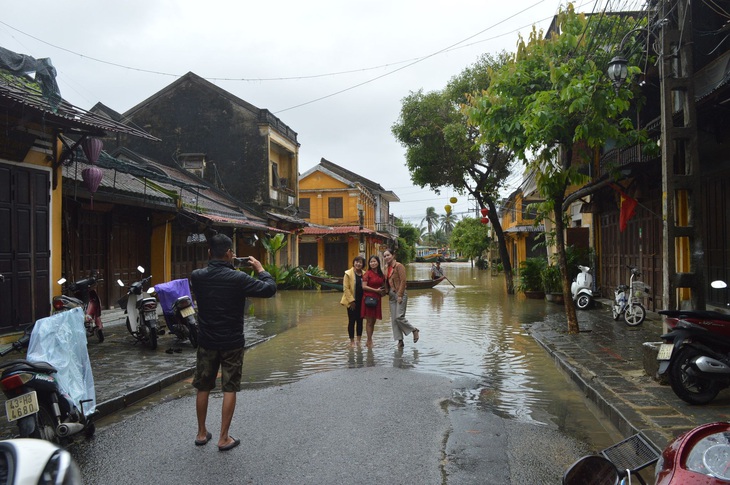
(606, 360)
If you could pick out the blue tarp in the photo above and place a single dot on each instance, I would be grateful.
(168, 292)
(60, 340)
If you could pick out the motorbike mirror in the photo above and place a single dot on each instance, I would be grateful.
(61, 281)
(140, 269)
(718, 284)
(591, 470)
(120, 283)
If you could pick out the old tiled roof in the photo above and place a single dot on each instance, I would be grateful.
(22, 95)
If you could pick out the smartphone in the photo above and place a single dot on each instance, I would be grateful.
(242, 262)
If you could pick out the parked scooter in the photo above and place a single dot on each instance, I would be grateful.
(627, 300)
(50, 393)
(84, 290)
(177, 307)
(27, 461)
(698, 456)
(582, 288)
(696, 354)
(141, 310)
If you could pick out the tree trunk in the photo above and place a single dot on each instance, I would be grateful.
(503, 253)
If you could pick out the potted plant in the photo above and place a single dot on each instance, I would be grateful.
(530, 277)
(552, 283)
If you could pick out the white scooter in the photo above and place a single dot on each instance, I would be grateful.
(141, 310)
(29, 461)
(582, 288)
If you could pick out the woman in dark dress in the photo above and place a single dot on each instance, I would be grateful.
(373, 284)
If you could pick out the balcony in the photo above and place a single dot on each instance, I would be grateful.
(281, 197)
(387, 228)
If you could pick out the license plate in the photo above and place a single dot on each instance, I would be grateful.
(148, 316)
(665, 352)
(21, 406)
(187, 311)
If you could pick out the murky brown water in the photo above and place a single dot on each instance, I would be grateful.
(472, 333)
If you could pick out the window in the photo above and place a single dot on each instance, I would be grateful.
(335, 207)
(304, 208)
(275, 174)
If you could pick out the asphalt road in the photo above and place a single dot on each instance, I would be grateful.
(350, 426)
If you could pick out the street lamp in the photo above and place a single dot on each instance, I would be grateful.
(618, 68)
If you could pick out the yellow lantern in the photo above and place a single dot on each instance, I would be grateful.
(453, 200)
(447, 208)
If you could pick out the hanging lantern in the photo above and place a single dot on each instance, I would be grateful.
(92, 149)
(484, 212)
(453, 200)
(92, 178)
(485, 220)
(447, 208)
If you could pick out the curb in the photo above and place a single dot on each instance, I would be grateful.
(614, 416)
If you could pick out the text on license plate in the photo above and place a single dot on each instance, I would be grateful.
(21, 406)
(665, 351)
(187, 311)
(150, 316)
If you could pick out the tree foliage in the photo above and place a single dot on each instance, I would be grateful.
(444, 150)
(470, 237)
(552, 105)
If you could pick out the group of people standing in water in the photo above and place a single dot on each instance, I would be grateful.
(363, 292)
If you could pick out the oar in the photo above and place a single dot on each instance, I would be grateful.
(449, 281)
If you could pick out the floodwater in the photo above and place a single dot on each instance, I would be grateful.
(471, 332)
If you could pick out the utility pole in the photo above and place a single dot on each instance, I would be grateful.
(683, 227)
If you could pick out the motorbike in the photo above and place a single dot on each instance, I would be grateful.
(50, 394)
(695, 355)
(29, 461)
(84, 290)
(141, 310)
(627, 299)
(582, 288)
(178, 310)
(698, 456)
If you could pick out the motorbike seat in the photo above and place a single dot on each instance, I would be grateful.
(27, 365)
(696, 314)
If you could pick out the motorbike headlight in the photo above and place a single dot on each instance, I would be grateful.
(60, 470)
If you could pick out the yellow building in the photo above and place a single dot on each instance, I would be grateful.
(349, 215)
(518, 223)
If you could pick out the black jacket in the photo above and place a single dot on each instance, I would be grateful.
(220, 292)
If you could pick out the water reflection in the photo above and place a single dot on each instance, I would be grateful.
(472, 333)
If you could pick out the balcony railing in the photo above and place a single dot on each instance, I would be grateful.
(281, 197)
(386, 227)
(619, 157)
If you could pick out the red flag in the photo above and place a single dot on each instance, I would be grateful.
(628, 208)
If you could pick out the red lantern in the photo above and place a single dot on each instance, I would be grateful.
(484, 212)
(92, 149)
(92, 178)
(485, 220)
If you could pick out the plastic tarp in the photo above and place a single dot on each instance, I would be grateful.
(168, 292)
(60, 340)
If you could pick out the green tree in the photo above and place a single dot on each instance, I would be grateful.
(553, 106)
(273, 245)
(470, 237)
(444, 150)
(431, 219)
(408, 237)
(447, 222)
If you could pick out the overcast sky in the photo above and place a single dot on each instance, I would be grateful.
(335, 71)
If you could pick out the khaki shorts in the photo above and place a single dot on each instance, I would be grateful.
(230, 363)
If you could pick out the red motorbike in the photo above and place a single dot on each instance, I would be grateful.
(700, 456)
(85, 291)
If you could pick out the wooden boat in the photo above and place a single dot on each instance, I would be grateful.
(335, 283)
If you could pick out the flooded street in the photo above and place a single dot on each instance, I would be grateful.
(471, 333)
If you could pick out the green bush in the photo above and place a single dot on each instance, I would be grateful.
(552, 281)
(530, 274)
